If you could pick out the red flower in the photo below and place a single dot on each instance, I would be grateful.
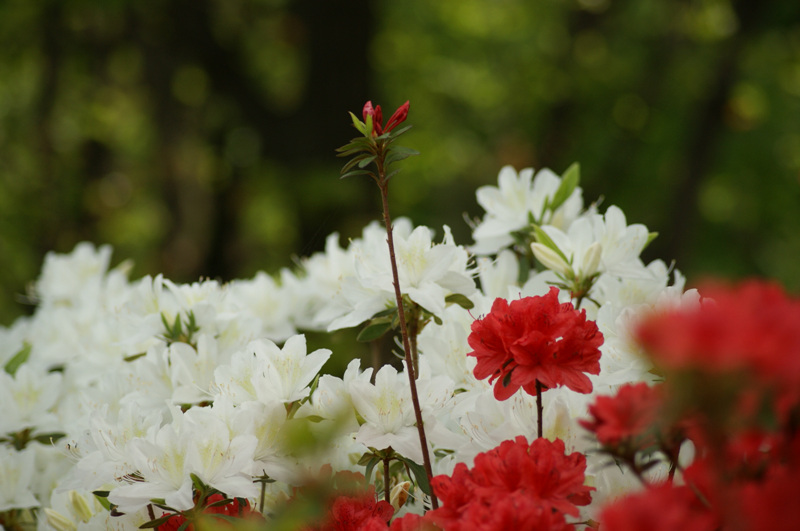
(624, 423)
(535, 338)
(358, 512)
(514, 486)
(659, 508)
(351, 505)
(395, 119)
(233, 508)
(752, 327)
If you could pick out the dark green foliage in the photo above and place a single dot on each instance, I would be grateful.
(198, 137)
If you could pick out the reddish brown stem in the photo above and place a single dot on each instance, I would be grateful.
(387, 491)
(383, 184)
(539, 409)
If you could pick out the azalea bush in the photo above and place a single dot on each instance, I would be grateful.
(547, 379)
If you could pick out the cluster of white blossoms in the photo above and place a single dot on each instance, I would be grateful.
(138, 388)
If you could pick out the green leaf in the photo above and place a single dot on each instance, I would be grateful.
(103, 500)
(374, 330)
(355, 161)
(370, 465)
(157, 522)
(358, 124)
(224, 501)
(399, 153)
(365, 459)
(397, 132)
(418, 471)
(357, 144)
(18, 359)
(48, 438)
(461, 300)
(366, 161)
(392, 174)
(388, 312)
(353, 173)
(569, 181)
(198, 483)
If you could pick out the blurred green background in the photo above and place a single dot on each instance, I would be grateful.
(197, 136)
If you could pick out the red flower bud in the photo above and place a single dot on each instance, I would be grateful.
(397, 118)
(377, 117)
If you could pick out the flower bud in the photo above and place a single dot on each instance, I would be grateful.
(591, 260)
(58, 521)
(550, 259)
(397, 118)
(80, 507)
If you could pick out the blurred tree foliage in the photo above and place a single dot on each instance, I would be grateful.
(197, 136)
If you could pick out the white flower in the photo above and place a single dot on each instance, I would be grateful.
(267, 373)
(388, 413)
(27, 399)
(16, 473)
(427, 273)
(194, 443)
(621, 243)
(511, 205)
(499, 275)
(68, 279)
(269, 304)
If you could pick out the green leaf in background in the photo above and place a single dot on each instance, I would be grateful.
(569, 181)
(18, 359)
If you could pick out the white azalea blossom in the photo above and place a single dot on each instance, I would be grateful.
(511, 205)
(265, 372)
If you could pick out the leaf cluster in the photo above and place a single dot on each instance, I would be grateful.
(369, 149)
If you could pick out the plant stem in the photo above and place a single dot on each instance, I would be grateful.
(387, 491)
(539, 409)
(383, 184)
(413, 332)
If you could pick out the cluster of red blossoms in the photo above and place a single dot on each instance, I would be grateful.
(535, 339)
(520, 486)
(732, 387)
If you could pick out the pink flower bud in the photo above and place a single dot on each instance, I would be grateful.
(377, 117)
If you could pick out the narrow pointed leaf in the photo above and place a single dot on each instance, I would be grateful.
(569, 182)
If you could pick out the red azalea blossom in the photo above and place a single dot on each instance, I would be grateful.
(352, 505)
(234, 508)
(514, 486)
(752, 327)
(535, 338)
(623, 422)
(398, 117)
(660, 508)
